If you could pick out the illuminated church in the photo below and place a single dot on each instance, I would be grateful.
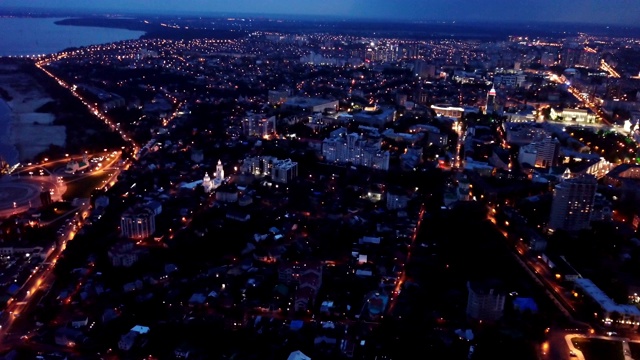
(211, 184)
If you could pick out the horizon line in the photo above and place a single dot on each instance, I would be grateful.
(41, 11)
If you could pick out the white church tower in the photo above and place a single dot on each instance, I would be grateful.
(219, 176)
(206, 183)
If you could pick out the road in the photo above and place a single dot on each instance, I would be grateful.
(403, 277)
(24, 300)
(27, 298)
(586, 102)
(93, 108)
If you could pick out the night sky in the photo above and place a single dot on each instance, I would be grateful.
(620, 12)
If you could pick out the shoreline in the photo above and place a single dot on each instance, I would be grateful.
(26, 131)
(8, 151)
(38, 36)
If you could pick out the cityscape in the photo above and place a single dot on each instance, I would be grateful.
(280, 187)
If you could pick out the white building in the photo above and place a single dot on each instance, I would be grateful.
(574, 115)
(138, 223)
(219, 176)
(629, 314)
(450, 111)
(207, 184)
(343, 148)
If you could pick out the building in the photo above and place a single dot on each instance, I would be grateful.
(277, 96)
(574, 115)
(510, 80)
(123, 254)
(207, 184)
(491, 105)
(573, 203)
(523, 133)
(547, 152)
(227, 193)
(344, 148)
(138, 223)
(449, 111)
(259, 165)
(424, 70)
(259, 125)
(486, 300)
(626, 313)
(307, 277)
(219, 176)
(310, 104)
(376, 116)
(298, 355)
(396, 201)
(281, 171)
(284, 171)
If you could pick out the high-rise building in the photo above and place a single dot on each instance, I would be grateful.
(573, 203)
(259, 125)
(547, 152)
(491, 106)
(486, 300)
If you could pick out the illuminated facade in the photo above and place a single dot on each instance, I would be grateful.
(259, 125)
(491, 105)
(281, 171)
(450, 111)
(344, 148)
(573, 203)
(138, 223)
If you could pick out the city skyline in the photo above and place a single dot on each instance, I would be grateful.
(616, 12)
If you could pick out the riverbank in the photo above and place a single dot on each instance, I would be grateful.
(29, 131)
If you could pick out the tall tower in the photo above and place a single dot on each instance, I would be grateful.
(219, 171)
(491, 101)
(219, 176)
(206, 183)
(573, 203)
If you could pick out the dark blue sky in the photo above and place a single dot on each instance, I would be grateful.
(623, 12)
